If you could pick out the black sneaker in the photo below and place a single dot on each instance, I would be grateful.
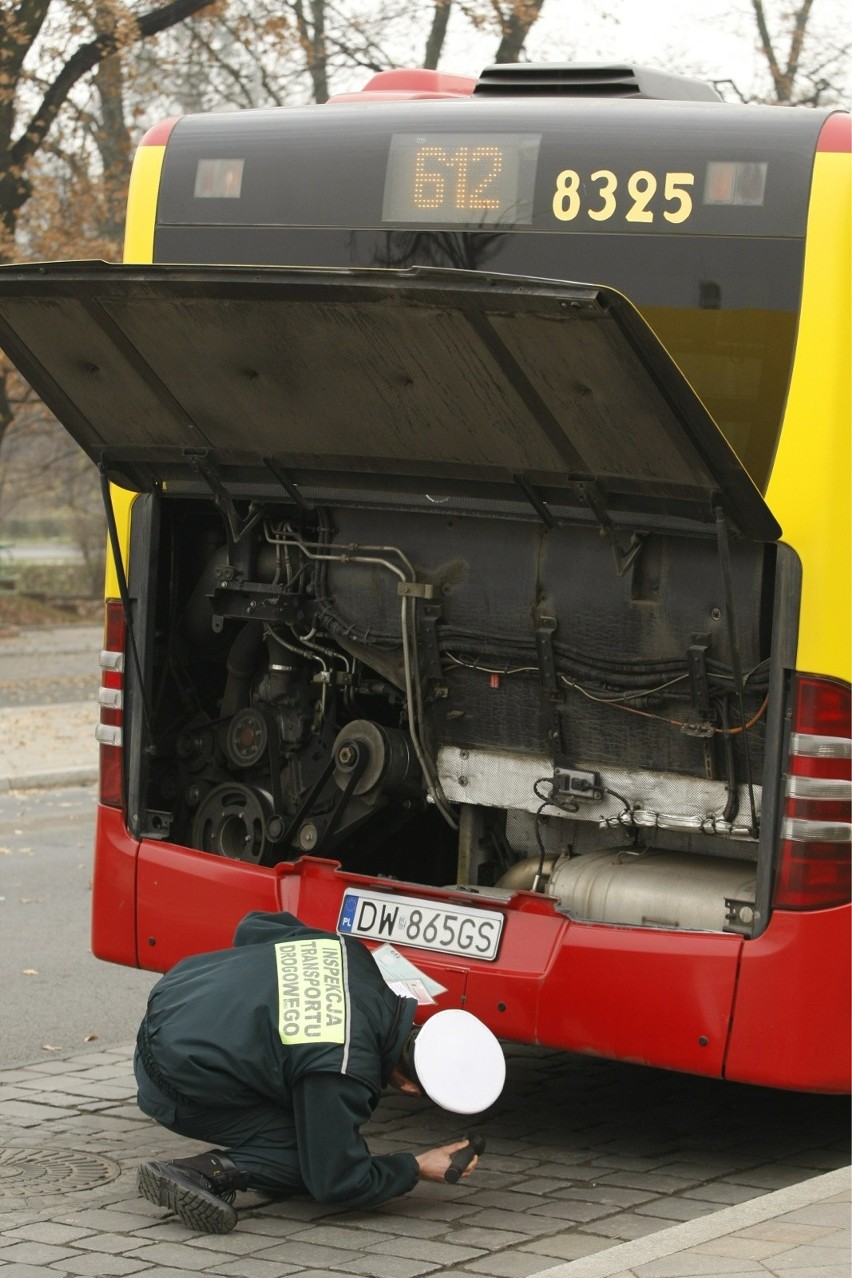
(200, 1191)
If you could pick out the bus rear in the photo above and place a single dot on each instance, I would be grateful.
(477, 465)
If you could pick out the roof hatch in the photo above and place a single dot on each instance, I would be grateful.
(406, 381)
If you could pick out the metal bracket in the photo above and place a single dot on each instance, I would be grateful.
(544, 631)
(155, 825)
(427, 618)
(254, 601)
(416, 590)
(739, 916)
(699, 685)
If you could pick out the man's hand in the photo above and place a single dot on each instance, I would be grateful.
(435, 1162)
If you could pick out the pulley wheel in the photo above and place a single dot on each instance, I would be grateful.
(231, 822)
(245, 738)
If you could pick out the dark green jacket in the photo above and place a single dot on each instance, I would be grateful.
(303, 1019)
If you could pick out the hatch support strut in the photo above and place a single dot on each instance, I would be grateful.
(724, 544)
(237, 527)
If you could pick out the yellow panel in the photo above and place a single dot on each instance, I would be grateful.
(138, 247)
(122, 500)
(142, 204)
(809, 491)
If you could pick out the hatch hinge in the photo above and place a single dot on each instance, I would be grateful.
(591, 496)
(199, 460)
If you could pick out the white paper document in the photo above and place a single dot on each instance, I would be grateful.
(404, 978)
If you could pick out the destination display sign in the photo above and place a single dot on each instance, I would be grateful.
(461, 178)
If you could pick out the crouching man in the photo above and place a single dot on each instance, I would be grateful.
(277, 1050)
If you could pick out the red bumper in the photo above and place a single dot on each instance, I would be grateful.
(773, 1011)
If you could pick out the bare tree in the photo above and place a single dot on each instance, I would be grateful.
(806, 65)
(19, 31)
(515, 20)
(29, 107)
(238, 52)
(783, 73)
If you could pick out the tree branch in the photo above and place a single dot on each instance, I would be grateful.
(797, 40)
(766, 46)
(89, 55)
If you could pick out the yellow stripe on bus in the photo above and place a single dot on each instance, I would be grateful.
(142, 204)
(122, 500)
(138, 247)
(809, 491)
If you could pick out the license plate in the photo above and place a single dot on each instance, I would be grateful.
(408, 920)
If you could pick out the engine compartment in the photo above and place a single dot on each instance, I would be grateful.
(455, 696)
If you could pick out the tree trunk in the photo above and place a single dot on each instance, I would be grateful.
(437, 33)
(783, 77)
(112, 135)
(312, 39)
(516, 27)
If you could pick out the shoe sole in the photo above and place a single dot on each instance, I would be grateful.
(195, 1207)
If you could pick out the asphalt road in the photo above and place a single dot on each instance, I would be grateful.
(50, 664)
(55, 995)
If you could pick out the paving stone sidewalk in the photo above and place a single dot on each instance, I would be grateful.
(573, 1193)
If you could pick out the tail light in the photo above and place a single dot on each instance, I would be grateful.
(814, 869)
(111, 698)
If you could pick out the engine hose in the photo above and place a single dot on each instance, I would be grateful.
(329, 619)
(243, 660)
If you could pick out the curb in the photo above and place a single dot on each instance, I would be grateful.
(668, 1242)
(50, 778)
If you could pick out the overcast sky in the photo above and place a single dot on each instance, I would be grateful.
(716, 39)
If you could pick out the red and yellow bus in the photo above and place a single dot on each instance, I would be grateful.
(476, 456)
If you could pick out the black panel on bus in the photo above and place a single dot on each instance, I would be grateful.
(695, 211)
(647, 167)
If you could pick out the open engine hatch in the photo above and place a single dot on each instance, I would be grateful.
(414, 381)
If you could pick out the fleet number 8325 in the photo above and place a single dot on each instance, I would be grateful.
(599, 197)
